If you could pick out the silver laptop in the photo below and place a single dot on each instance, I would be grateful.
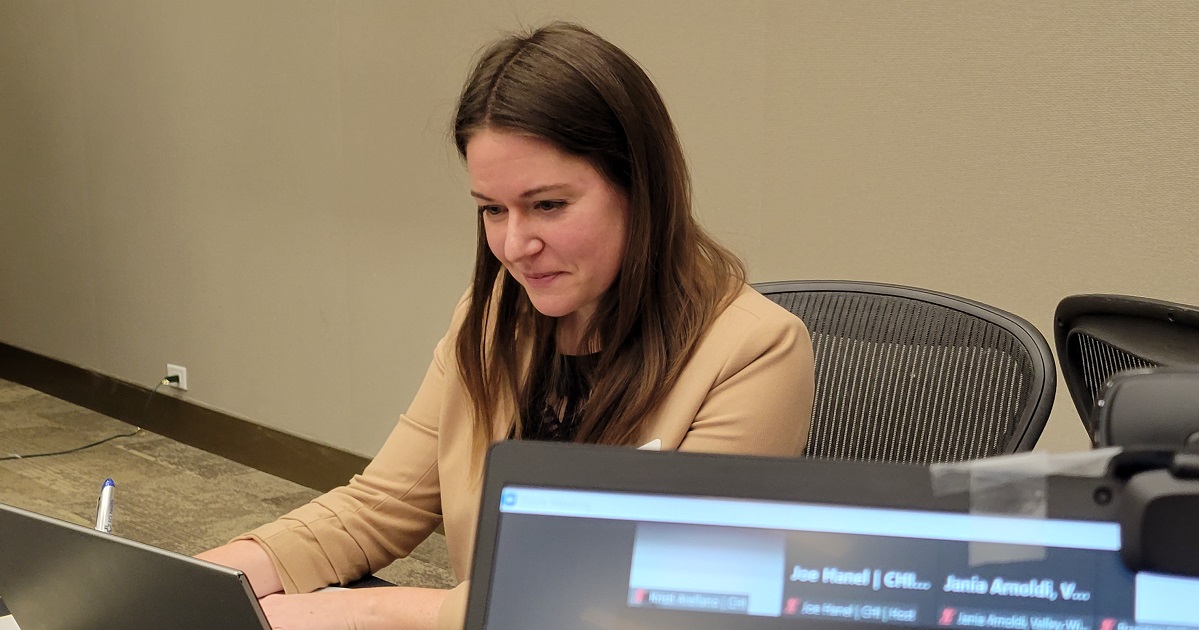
(605, 538)
(56, 575)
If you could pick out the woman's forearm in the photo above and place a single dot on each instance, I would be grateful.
(400, 607)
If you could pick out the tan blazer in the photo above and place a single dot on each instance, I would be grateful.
(747, 390)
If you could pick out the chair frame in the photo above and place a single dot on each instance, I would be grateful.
(1027, 428)
(1110, 316)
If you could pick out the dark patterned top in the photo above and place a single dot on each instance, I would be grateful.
(559, 415)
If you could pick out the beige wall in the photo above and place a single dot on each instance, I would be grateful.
(263, 192)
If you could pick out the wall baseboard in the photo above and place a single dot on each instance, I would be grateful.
(301, 461)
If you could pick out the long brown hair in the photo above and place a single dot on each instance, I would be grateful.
(565, 84)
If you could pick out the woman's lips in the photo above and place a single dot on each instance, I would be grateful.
(542, 280)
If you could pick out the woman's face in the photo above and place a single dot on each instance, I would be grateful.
(555, 222)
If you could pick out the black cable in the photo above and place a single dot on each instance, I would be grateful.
(145, 410)
(72, 450)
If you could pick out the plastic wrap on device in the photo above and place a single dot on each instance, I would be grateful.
(1013, 485)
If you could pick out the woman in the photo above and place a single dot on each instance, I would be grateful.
(600, 312)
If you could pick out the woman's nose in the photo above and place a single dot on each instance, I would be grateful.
(522, 238)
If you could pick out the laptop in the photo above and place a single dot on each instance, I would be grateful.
(589, 537)
(56, 575)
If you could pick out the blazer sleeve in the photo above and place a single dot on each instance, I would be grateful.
(381, 514)
(760, 402)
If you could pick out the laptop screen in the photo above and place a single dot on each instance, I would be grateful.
(595, 558)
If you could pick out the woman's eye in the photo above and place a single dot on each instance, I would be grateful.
(491, 210)
(548, 205)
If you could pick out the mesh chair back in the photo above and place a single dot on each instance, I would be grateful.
(908, 375)
(1101, 335)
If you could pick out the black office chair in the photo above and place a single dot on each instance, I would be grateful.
(1098, 336)
(910, 375)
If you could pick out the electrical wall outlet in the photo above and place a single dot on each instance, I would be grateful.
(181, 372)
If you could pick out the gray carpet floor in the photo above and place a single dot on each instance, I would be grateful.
(168, 494)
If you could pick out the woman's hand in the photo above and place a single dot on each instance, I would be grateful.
(389, 608)
(250, 558)
(328, 610)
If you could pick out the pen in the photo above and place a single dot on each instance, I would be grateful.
(104, 508)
